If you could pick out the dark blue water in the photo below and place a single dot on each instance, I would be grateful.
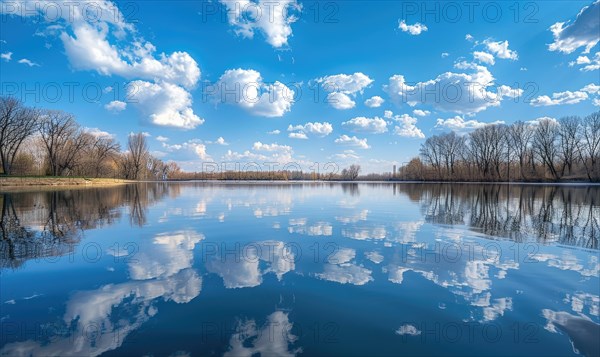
(301, 269)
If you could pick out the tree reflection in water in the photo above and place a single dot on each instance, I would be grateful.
(44, 224)
(549, 214)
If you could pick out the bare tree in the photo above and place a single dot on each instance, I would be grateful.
(451, 146)
(17, 123)
(568, 131)
(64, 140)
(590, 148)
(351, 173)
(520, 135)
(486, 145)
(138, 154)
(431, 153)
(544, 144)
(103, 148)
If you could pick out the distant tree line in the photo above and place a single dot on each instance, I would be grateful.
(51, 142)
(543, 150)
(350, 173)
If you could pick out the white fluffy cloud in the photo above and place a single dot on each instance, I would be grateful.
(252, 94)
(407, 127)
(261, 152)
(462, 93)
(587, 63)
(189, 149)
(272, 18)
(484, 57)
(374, 102)
(97, 133)
(340, 101)
(258, 146)
(366, 125)
(501, 50)
(583, 32)
(342, 87)
(352, 141)
(115, 106)
(345, 83)
(89, 49)
(414, 30)
(421, 113)
(297, 135)
(111, 46)
(221, 141)
(165, 103)
(460, 124)
(316, 128)
(561, 98)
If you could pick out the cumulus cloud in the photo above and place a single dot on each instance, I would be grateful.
(583, 32)
(193, 148)
(352, 141)
(500, 49)
(272, 19)
(258, 146)
(408, 329)
(347, 155)
(461, 125)
(316, 129)
(110, 46)
(366, 125)
(566, 97)
(97, 133)
(342, 87)
(165, 104)
(115, 106)
(591, 88)
(407, 127)
(586, 63)
(484, 57)
(89, 49)
(221, 141)
(414, 30)
(374, 102)
(274, 132)
(297, 136)
(421, 113)
(340, 101)
(462, 93)
(246, 89)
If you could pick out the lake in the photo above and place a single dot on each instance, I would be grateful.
(242, 269)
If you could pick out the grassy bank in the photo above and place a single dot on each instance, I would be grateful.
(9, 182)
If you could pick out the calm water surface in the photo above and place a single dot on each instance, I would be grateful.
(301, 269)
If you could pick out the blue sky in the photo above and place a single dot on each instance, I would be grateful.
(294, 81)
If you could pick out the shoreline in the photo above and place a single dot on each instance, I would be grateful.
(33, 183)
(18, 183)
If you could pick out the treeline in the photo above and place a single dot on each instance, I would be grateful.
(350, 173)
(51, 142)
(543, 150)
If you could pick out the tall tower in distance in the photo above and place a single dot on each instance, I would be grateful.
(394, 171)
